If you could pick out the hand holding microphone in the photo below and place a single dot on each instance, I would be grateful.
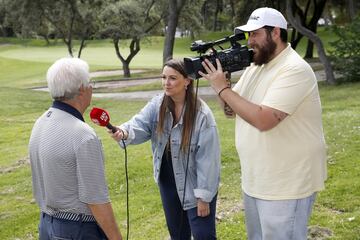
(102, 118)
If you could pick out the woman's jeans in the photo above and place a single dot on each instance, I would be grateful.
(182, 224)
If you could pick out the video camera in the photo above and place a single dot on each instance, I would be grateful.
(232, 59)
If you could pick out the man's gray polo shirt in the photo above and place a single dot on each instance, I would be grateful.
(67, 162)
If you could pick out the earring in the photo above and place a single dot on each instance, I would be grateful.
(185, 87)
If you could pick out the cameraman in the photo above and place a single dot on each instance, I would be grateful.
(279, 134)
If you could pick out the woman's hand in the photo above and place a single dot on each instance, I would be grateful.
(119, 134)
(203, 208)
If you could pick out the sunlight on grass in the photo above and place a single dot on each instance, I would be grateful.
(104, 56)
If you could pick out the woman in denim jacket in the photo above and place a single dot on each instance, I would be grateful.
(169, 120)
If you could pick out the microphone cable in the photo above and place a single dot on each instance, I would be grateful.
(101, 117)
(187, 158)
(127, 188)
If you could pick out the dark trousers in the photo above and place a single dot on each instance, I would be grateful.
(51, 228)
(201, 228)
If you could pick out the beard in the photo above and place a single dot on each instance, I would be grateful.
(264, 53)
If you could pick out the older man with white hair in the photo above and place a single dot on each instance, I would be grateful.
(67, 161)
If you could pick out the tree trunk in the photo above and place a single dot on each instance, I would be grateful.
(70, 35)
(296, 41)
(126, 69)
(134, 49)
(293, 35)
(232, 6)
(297, 11)
(216, 14)
(46, 38)
(310, 45)
(318, 11)
(124, 64)
(330, 79)
(69, 46)
(204, 13)
(309, 50)
(351, 8)
(192, 35)
(175, 7)
(82, 46)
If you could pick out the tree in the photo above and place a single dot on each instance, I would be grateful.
(129, 21)
(306, 12)
(69, 18)
(87, 26)
(352, 8)
(313, 9)
(33, 23)
(174, 10)
(190, 19)
(346, 51)
(247, 6)
(219, 15)
(232, 5)
(9, 24)
(218, 11)
(2, 17)
(315, 39)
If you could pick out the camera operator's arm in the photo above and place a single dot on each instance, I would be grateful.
(262, 117)
(229, 113)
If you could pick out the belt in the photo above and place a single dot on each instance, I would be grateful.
(73, 216)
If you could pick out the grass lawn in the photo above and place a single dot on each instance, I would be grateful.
(337, 209)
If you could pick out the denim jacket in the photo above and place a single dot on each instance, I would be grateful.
(203, 174)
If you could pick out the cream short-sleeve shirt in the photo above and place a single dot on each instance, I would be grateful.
(289, 160)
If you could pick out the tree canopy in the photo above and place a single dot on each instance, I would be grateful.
(129, 20)
(132, 20)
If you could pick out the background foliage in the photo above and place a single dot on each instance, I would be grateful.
(346, 53)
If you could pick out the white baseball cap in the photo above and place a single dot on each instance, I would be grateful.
(263, 17)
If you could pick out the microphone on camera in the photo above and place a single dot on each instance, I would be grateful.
(102, 118)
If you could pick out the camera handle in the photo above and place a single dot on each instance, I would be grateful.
(227, 109)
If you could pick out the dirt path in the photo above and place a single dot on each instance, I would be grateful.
(111, 73)
(125, 83)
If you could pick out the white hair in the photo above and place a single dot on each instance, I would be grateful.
(66, 76)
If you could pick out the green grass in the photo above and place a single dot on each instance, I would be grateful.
(100, 55)
(337, 207)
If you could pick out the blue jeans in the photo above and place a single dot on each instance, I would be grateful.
(182, 224)
(279, 219)
(51, 228)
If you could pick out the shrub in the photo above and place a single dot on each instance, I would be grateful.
(346, 53)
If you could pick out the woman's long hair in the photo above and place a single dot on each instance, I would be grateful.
(167, 103)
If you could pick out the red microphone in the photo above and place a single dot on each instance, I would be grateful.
(102, 118)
